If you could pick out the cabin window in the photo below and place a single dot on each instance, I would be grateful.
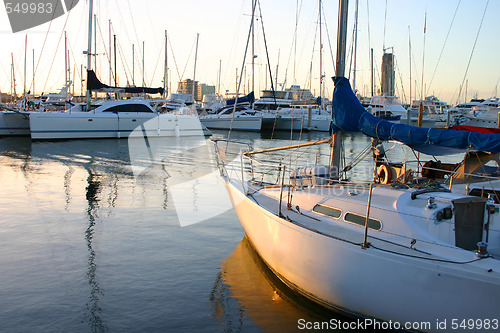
(129, 108)
(329, 211)
(359, 219)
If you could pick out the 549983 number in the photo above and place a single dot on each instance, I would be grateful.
(29, 7)
(475, 324)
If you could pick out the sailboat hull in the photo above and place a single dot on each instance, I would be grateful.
(81, 125)
(366, 283)
(14, 123)
(236, 123)
(285, 123)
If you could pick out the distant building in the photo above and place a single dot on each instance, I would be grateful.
(200, 89)
(186, 86)
(300, 94)
(388, 75)
(204, 89)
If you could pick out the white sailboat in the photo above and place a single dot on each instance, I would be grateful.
(238, 118)
(113, 118)
(301, 118)
(14, 122)
(408, 256)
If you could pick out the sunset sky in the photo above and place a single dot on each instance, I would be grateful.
(291, 33)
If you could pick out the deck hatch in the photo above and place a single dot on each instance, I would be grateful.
(328, 211)
(358, 219)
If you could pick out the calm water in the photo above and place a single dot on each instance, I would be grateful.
(98, 235)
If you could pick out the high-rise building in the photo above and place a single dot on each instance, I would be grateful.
(204, 89)
(387, 84)
(200, 89)
(187, 86)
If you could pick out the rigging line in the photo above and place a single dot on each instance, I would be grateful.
(423, 60)
(295, 39)
(151, 23)
(496, 86)
(328, 37)
(368, 25)
(175, 61)
(269, 65)
(156, 66)
(254, 3)
(351, 55)
(444, 44)
(385, 23)
(232, 50)
(312, 59)
(57, 47)
(70, 48)
(136, 37)
(401, 79)
(472, 52)
(294, 43)
(122, 20)
(187, 61)
(124, 62)
(45, 40)
(102, 41)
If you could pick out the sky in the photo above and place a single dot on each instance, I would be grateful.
(456, 61)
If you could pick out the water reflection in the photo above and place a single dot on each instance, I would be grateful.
(246, 289)
(93, 189)
(67, 185)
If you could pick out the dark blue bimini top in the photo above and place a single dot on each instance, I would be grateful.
(350, 115)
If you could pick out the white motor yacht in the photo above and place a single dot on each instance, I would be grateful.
(390, 108)
(299, 118)
(114, 119)
(484, 114)
(242, 119)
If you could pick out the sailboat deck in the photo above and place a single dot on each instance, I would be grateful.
(399, 241)
(325, 226)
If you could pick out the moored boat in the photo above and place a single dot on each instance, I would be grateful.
(113, 119)
(14, 123)
(401, 252)
(238, 118)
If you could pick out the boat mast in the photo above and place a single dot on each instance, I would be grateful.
(165, 69)
(143, 69)
(340, 70)
(33, 72)
(371, 73)
(24, 92)
(110, 50)
(89, 51)
(409, 53)
(253, 47)
(218, 79)
(320, 59)
(66, 78)
(355, 47)
(114, 54)
(194, 72)
(133, 65)
(13, 76)
(95, 44)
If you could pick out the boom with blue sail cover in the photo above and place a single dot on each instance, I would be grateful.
(94, 84)
(350, 115)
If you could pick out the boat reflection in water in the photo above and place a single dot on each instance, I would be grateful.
(246, 290)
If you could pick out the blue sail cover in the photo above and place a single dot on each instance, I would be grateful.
(349, 115)
(244, 99)
(93, 84)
